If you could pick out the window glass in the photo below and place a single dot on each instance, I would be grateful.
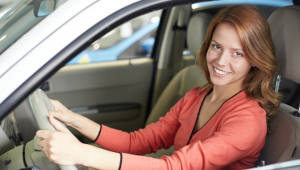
(133, 39)
(277, 3)
(20, 16)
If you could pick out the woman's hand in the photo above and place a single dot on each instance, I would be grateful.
(85, 126)
(60, 146)
(63, 114)
(63, 148)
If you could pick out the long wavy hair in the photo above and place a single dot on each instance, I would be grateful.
(254, 33)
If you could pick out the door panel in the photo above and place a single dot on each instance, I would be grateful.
(114, 93)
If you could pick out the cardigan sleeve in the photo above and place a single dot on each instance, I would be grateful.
(241, 134)
(148, 140)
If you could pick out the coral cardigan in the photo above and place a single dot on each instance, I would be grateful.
(231, 139)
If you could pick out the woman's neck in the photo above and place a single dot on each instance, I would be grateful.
(221, 94)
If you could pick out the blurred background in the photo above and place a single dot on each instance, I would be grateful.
(3, 2)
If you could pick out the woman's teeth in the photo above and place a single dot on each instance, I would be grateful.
(219, 71)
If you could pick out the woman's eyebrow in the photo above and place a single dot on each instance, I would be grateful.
(215, 41)
(237, 49)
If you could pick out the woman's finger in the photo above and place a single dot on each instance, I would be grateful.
(59, 126)
(42, 143)
(43, 134)
(55, 114)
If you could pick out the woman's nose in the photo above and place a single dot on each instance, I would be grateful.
(223, 58)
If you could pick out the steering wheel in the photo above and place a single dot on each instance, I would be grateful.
(41, 105)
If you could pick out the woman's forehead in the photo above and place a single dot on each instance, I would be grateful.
(226, 35)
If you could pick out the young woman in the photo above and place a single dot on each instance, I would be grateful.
(219, 126)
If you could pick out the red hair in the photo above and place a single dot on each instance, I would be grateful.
(254, 33)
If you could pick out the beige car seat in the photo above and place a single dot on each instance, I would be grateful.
(184, 80)
(187, 78)
(283, 140)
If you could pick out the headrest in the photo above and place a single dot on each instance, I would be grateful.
(285, 28)
(196, 31)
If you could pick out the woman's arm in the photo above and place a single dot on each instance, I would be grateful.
(153, 137)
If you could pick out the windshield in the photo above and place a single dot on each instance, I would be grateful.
(19, 17)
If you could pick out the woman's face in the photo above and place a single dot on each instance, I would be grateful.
(226, 60)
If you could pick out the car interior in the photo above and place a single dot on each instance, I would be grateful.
(128, 94)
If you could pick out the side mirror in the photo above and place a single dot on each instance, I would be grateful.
(43, 7)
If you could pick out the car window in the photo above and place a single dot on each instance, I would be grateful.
(19, 17)
(133, 39)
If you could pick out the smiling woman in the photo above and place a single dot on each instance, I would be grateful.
(257, 50)
(219, 126)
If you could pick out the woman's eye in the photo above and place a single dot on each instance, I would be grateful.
(215, 46)
(238, 54)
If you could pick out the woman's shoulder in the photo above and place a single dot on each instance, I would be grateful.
(242, 104)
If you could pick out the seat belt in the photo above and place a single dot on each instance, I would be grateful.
(178, 46)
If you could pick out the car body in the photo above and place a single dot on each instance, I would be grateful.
(50, 47)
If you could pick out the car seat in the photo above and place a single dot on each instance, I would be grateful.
(185, 79)
(283, 139)
(188, 77)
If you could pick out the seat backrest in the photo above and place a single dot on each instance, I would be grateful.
(284, 24)
(281, 143)
(283, 139)
(188, 77)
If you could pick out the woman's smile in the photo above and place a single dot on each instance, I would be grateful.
(220, 73)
